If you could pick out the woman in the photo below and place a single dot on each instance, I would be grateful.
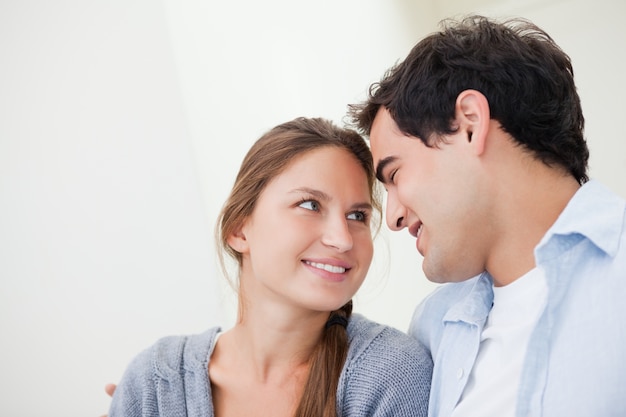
(298, 224)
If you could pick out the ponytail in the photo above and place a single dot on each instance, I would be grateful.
(319, 398)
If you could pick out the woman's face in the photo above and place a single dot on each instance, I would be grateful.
(308, 241)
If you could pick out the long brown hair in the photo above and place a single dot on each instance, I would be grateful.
(267, 158)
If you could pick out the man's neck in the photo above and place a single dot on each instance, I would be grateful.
(532, 200)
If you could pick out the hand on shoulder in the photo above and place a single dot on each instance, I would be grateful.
(109, 389)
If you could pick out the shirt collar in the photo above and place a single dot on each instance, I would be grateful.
(593, 212)
(474, 307)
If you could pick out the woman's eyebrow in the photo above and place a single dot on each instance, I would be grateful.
(320, 195)
(361, 206)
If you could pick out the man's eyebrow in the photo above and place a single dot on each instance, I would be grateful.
(381, 167)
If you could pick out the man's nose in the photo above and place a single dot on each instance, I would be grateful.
(396, 213)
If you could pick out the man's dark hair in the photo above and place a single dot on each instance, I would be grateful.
(525, 76)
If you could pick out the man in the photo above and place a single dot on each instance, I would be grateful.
(478, 138)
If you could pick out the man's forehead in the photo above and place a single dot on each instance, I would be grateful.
(383, 129)
(384, 124)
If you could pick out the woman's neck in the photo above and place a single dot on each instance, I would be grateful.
(273, 340)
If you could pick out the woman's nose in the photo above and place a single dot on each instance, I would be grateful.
(337, 235)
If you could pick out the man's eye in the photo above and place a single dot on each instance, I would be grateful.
(310, 205)
(392, 176)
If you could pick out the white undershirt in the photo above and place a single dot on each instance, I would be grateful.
(493, 383)
(212, 347)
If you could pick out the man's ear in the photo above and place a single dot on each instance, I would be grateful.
(237, 240)
(472, 115)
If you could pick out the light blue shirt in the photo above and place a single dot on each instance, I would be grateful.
(575, 364)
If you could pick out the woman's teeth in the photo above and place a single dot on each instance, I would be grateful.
(326, 267)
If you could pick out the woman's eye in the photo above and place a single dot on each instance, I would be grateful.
(359, 216)
(310, 205)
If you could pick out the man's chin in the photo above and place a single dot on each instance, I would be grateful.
(441, 276)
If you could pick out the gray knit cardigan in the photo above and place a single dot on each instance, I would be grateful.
(386, 373)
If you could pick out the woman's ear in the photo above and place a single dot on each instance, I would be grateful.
(473, 116)
(237, 240)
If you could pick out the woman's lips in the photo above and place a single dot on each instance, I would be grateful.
(329, 269)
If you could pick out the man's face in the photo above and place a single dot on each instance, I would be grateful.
(436, 193)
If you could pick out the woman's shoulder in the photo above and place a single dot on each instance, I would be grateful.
(369, 338)
(387, 372)
(167, 360)
(169, 354)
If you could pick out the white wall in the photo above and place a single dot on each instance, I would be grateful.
(103, 232)
(122, 124)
